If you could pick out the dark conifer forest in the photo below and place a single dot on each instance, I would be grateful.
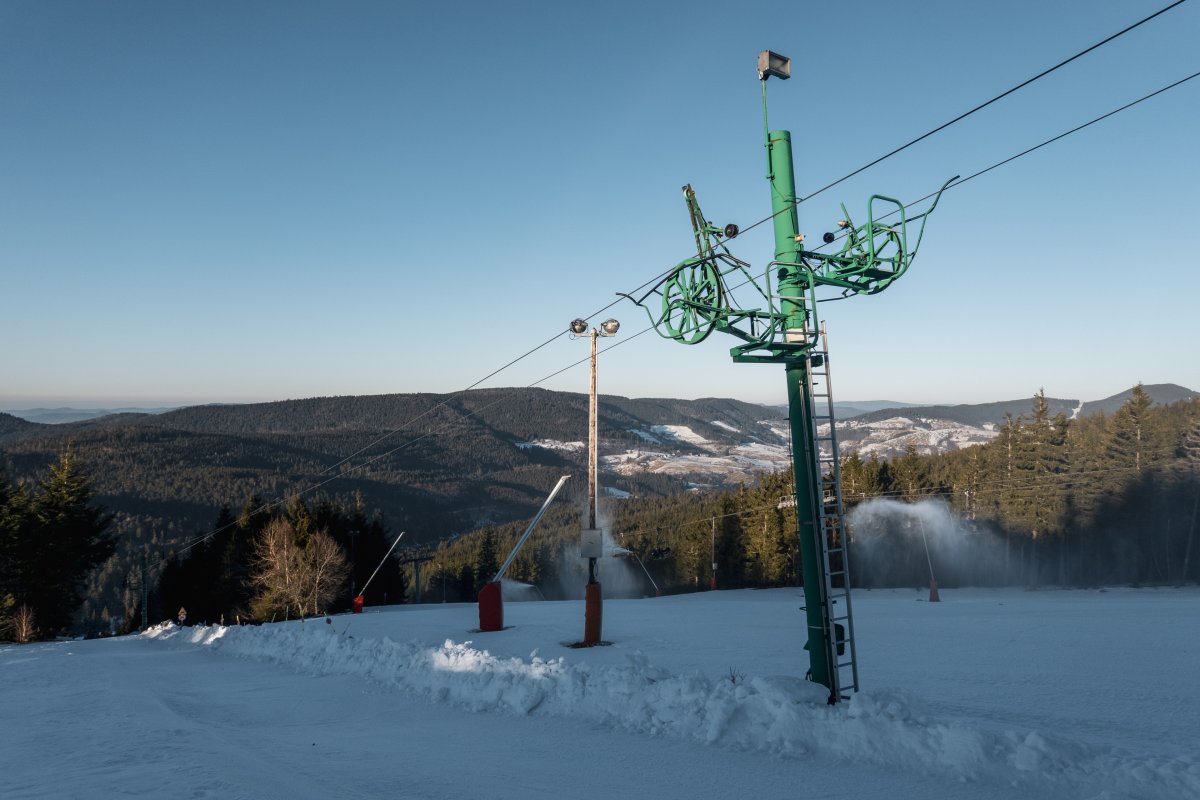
(1096, 501)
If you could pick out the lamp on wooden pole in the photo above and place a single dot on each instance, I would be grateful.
(592, 540)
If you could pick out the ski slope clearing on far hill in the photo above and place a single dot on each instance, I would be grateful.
(988, 694)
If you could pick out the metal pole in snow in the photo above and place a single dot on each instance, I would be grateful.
(385, 558)
(713, 578)
(933, 590)
(508, 561)
(145, 589)
(592, 461)
(657, 591)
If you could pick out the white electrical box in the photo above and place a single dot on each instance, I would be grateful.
(591, 543)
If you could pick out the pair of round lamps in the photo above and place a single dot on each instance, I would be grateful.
(607, 328)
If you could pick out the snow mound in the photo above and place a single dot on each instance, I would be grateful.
(785, 716)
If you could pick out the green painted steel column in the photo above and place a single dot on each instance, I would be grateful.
(786, 220)
(783, 193)
(791, 282)
(820, 645)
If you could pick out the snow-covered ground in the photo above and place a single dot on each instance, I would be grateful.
(988, 694)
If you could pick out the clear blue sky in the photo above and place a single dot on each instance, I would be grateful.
(229, 201)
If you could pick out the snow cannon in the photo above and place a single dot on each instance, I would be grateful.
(491, 607)
(491, 598)
(626, 553)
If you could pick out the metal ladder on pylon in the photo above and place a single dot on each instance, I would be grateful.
(833, 541)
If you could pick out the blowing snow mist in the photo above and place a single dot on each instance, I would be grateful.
(889, 546)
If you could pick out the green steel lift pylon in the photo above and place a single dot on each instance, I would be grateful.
(782, 327)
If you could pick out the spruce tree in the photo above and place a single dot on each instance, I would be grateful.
(487, 562)
(50, 539)
(1127, 446)
(1189, 453)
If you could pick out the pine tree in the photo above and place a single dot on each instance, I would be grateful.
(50, 539)
(487, 562)
(1040, 459)
(1127, 446)
(1189, 453)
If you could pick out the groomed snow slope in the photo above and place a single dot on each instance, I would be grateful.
(988, 694)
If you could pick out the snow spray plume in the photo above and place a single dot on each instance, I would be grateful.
(887, 547)
(620, 577)
(519, 592)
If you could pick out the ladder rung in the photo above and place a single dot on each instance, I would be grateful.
(831, 514)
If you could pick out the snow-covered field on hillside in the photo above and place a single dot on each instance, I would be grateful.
(988, 694)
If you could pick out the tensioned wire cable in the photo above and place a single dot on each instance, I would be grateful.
(1014, 484)
(1053, 139)
(882, 158)
(861, 169)
(959, 182)
(646, 330)
(189, 544)
(966, 114)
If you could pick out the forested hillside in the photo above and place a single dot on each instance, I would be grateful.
(1089, 501)
(432, 465)
(980, 414)
(1094, 501)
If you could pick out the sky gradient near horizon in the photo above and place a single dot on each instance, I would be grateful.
(230, 202)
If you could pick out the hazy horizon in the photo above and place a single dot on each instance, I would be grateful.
(97, 403)
(254, 202)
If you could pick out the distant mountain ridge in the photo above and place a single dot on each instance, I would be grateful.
(55, 416)
(437, 465)
(981, 414)
(975, 414)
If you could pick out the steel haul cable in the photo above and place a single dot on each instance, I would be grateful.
(189, 544)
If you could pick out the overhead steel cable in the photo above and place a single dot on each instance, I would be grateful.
(960, 181)
(1000, 96)
(966, 114)
(189, 544)
(957, 183)
(1051, 140)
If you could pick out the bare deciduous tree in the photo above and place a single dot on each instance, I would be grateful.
(20, 626)
(294, 578)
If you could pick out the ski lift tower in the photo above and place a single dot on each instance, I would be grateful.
(780, 326)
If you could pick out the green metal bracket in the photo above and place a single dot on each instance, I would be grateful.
(696, 296)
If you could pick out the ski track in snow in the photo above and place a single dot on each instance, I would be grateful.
(784, 716)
